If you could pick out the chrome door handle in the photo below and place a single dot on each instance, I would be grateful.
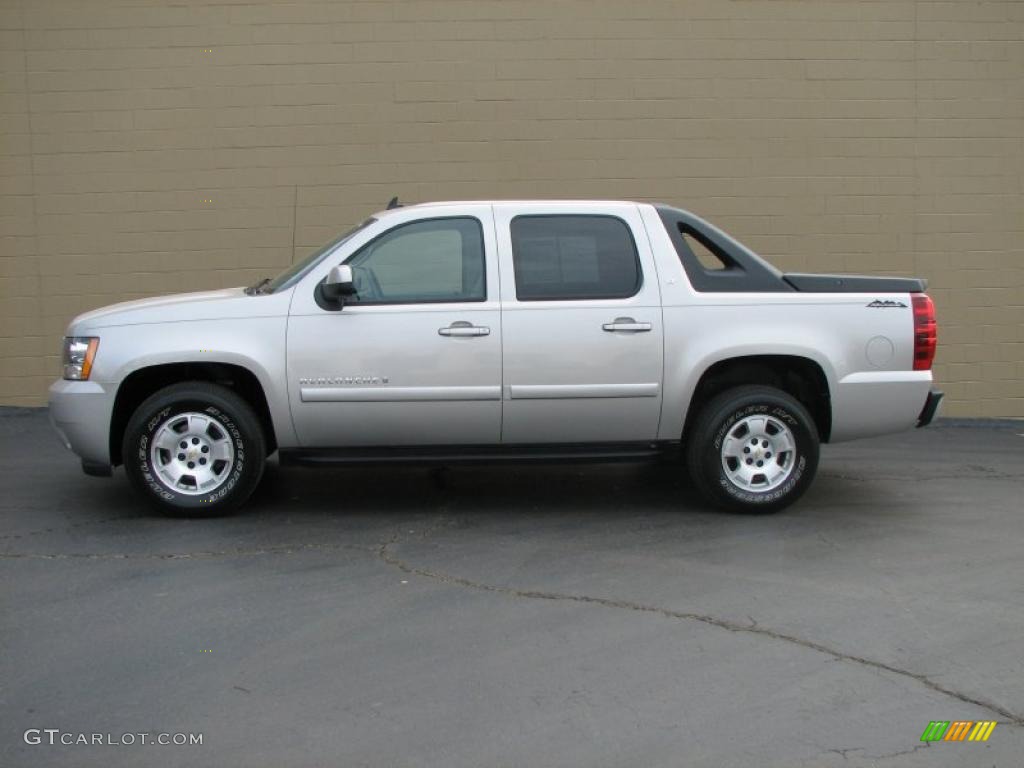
(626, 324)
(462, 328)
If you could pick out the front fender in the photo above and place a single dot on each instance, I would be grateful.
(255, 343)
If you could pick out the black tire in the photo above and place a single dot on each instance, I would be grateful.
(721, 418)
(242, 432)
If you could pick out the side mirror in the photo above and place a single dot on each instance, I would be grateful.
(338, 284)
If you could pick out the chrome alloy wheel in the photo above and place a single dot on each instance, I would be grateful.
(192, 453)
(759, 453)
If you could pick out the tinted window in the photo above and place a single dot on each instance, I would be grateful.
(423, 261)
(573, 257)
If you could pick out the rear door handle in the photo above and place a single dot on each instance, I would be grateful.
(462, 328)
(627, 324)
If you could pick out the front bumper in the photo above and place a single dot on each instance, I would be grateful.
(931, 407)
(80, 412)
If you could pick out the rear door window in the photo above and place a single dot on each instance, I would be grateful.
(559, 257)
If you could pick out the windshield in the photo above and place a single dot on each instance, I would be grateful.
(298, 270)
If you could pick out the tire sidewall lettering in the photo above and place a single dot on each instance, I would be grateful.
(183, 500)
(776, 494)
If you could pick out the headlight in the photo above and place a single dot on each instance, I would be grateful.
(79, 352)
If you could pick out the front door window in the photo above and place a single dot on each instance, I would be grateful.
(437, 260)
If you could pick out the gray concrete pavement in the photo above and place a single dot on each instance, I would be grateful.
(520, 616)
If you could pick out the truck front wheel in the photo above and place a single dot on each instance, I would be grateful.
(194, 449)
(753, 449)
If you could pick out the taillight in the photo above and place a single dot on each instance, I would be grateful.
(924, 331)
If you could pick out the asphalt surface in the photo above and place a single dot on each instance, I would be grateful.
(519, 616)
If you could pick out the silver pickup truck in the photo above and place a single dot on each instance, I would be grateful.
(480, 331)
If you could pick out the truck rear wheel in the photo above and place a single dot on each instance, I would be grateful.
(753, 449)
(194, 449)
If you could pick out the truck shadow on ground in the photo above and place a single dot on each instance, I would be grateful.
(594, 492)
(587, 494)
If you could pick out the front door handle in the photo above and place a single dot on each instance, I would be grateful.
(627, 324)
(462, 328)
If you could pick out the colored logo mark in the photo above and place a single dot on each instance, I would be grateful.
(958, 730)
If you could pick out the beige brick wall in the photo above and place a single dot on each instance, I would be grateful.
(149, 147)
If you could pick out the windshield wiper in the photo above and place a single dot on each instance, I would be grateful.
(252, 290)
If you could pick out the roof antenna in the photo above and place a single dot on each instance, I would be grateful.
(394, 203)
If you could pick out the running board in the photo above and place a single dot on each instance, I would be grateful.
(474, 454)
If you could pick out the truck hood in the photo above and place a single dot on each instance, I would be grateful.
(227, 303)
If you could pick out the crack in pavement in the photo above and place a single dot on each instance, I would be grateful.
(66, 528)
(284, 549)
(383, 553)
(388, 558)
(842, 752)
(887, 756)
(891, 755)
(921, 478)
